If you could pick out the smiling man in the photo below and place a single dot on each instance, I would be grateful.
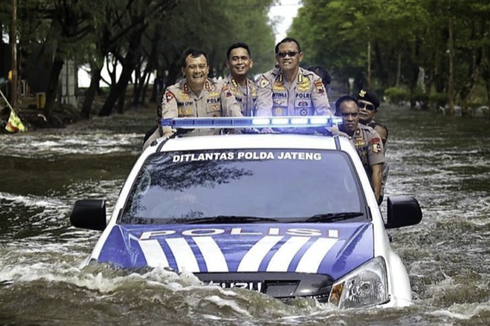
(195, 95)
(365, 139)
(289, 90)
(239, 62)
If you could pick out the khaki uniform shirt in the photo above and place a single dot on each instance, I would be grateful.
(246, 96)
(215, 100)
(386, 167)
(306, 95)
(369, 147)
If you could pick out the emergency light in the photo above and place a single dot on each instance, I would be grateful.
(252, 122)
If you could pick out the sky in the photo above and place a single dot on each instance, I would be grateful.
(283, 12)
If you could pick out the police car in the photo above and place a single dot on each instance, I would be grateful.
(287, 215)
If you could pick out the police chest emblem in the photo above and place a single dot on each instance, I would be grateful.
(304, 84)
(278, 111)
(303, 112)
(184, 96)
(278, 86)
(359, 141)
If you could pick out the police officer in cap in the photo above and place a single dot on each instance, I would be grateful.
(368, 107)
(365, 139)
(368, 104)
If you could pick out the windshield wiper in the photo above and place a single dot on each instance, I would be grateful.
(224, 219)
(332, 217)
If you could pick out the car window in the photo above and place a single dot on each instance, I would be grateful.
(175, 187)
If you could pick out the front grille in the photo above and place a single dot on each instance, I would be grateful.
(283, 286)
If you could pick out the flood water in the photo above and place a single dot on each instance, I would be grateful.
(444, 162)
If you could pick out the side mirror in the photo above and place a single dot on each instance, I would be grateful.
(403, 211)
(89, 214)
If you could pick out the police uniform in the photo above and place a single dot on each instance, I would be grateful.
(305, 96)
(179, 101)
(369, 147)
(246, 96)
(386, 166)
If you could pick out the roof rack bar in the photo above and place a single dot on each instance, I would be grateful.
(252, 122)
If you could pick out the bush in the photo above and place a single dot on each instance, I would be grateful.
(396, 95)
(419, 96)
(439, 99)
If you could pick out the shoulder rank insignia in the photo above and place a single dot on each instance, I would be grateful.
(207, 85)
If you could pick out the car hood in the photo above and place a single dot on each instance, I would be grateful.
(332, 249)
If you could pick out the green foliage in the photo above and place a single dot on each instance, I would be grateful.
(418, 95)
(440, 98)
(396, 95)
(405, 35)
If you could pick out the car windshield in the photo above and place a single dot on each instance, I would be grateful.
(245, 186)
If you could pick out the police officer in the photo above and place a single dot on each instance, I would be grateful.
(195, 95)
(365, 139)
(239, 62)
(368, 104)
(289, 90)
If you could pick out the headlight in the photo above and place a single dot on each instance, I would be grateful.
(365, 286)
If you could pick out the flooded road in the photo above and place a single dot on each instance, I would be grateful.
(444, 162)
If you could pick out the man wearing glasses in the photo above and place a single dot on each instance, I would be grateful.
(288, 89)
(368, 107)
(365, 139)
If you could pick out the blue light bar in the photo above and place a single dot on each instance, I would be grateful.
(251, 122)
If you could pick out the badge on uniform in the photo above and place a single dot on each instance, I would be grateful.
(304, 85)
(319, 87)
(169, 96)
(376, 145)
(228, 93)
(263, 82)
(207, 85)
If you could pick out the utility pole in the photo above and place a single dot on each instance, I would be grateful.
(13, 45)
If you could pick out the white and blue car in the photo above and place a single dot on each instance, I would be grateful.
(287, 215)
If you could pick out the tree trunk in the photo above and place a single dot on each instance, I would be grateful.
(128, 67)
(369, 64)
(399, 68)
(91, 91)
(451, 67)
(121, 100)
(54, 77)
(380, 64)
